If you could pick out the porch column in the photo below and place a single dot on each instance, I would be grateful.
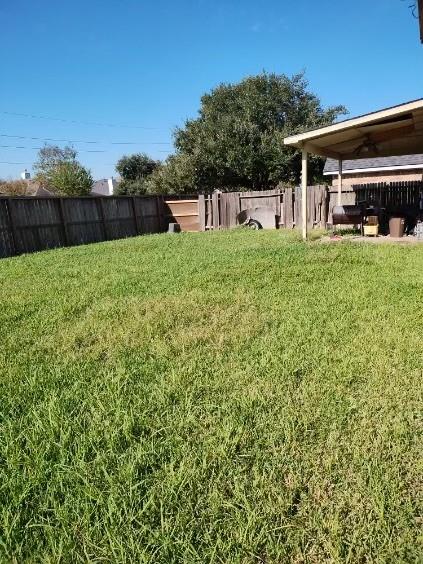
(304, 193)
(339, 182)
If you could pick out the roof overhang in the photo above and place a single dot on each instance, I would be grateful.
(393, 131)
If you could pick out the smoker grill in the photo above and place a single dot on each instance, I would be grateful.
(348, 215)
(361, 214)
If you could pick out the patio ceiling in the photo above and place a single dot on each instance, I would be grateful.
(388, 132)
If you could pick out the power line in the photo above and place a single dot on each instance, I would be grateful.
(38, 148)
(87, 142)
(8, 162)
(79, 151)
(33, 116)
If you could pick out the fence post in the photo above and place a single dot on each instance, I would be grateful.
(298, 216)
(13, 231)
(325, 206)
(134, 209)
(288, 219)
(64, 223)
(202, 212)
(159, 211)
(215, 208)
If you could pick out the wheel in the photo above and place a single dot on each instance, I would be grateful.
(254, 224)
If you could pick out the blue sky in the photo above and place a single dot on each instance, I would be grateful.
(141, 66)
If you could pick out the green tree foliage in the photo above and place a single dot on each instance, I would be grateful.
(58, 170)
(177, 175)
(134, 171)
(49, 158)
(237, 140)
(71, 179)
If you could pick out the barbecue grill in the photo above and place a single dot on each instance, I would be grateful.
(348, 215)
(360, 214)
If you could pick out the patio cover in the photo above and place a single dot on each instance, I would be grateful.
(392, 131)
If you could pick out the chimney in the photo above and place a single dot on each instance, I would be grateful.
(110, 183)
(25, 175)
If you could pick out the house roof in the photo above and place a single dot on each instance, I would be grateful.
(101, 187)
(42, 192)
(397, 130)
(402, 162)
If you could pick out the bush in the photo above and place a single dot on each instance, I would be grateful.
(70, 179)
(14, 187)
(176, 176)
(49, 158)
(131, 187)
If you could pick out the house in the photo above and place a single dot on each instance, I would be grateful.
(389, 132)
(104, 187)
(377, 169)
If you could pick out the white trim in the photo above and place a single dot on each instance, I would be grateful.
(374, 169)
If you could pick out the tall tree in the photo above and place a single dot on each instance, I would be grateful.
(58, 170)
(71, 179)
(237, 139)
(49, 158)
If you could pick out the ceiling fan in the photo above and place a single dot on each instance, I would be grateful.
(365, 148)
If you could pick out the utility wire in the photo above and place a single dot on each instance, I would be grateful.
(38, 148)
(33, 116)
(79, 151)
(87, 142)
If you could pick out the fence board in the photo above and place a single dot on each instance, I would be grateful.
(215, 210)
(202, 212)
(7, 243)
(288, 219)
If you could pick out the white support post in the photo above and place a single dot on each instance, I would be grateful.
(339, 182)
(304, 193)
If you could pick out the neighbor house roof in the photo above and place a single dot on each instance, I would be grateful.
(397, 130)
(102, 187)
(402, 162)
(41, 192)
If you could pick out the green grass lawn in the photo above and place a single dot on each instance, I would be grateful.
(226, 397)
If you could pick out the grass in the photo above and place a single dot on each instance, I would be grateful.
(229, 397)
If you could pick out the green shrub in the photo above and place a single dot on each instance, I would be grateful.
(71, 179)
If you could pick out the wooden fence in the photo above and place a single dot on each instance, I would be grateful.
(30, 224)
(395, 197)
(34, 224)
(220, 210)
